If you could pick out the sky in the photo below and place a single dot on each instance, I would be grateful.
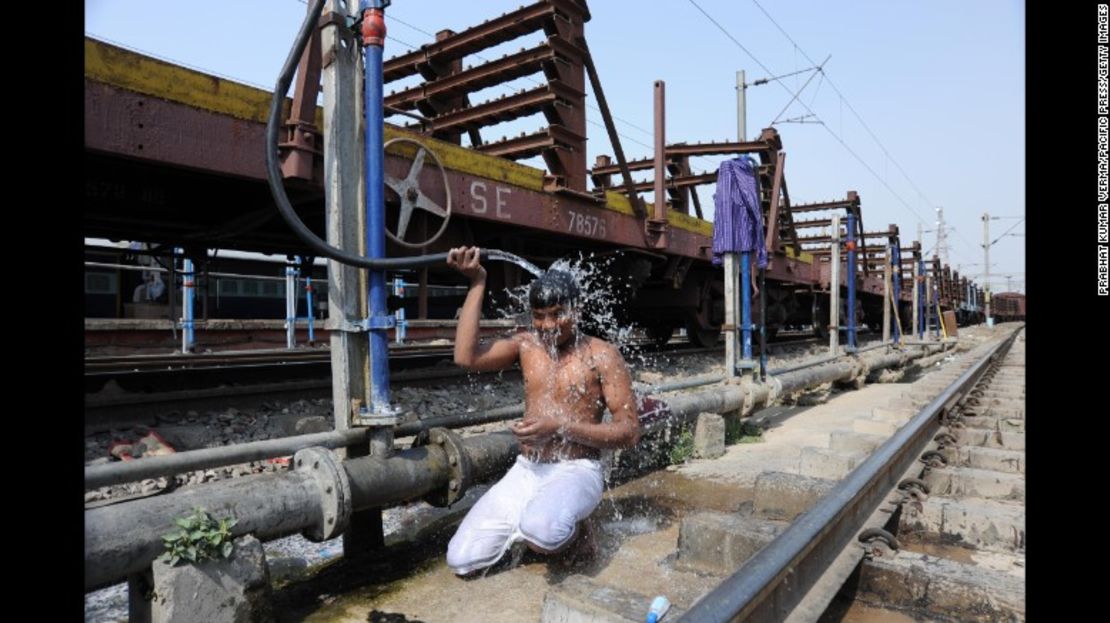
(919, 105)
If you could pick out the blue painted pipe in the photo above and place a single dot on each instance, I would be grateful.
(920, 285)
(290, 306)
(187, 336)
(308, 303)
(851, 281)
(308, 297)
(380, 318)
(896, 267)
(746, 303)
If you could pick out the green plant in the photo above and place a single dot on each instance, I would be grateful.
(199, 537)
(741, 431)
(682, 448)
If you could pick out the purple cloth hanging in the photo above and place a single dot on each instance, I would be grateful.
(737, 217)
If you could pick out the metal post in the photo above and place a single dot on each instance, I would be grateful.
(171, 293)
(290, 306)
(987, 269)
(851, 278)
(308, 298)
(732, 316)
(741, 106)
(373, 30)
(762, 324)
(187, 305)
(422, 295)
(746, 303)
(897, 298)
(399, 330)
(834, 289)
(731, 265)
(929, 310)
(656, 224)
(936, 310)
(921, 299)
(343, 184)
(915, 292)
(886, 296)
(204, 299)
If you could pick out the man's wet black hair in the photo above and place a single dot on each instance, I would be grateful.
(554, 287)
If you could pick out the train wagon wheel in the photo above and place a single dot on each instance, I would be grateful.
(412, 197)
(702, 336)
(659, 332)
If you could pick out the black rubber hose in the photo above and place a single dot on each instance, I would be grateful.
(273, 170)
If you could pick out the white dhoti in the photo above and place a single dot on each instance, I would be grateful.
(540, 503)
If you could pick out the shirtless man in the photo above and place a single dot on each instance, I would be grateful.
(569, 380)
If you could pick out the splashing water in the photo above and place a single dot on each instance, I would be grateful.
(505, 256)
(602, 292)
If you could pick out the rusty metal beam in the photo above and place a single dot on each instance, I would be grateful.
(813, 224)
(679, 181)
(493, 32)
(872, 249)
(508, 67)
(611, 130)
(681, 150)
(301, 148)
(771, 240)
(837, 204)
(528, 145)
(506, 108)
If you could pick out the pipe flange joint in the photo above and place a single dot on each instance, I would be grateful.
(334, 491)
(383, 321)
(774, 389)
(458, 466)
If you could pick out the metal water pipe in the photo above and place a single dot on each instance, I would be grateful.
(290, 306)
(187, 287)
(380, 321)
(850, 248)
(320, 494)
(922, 299)
(896, 296)
(746, 305)
(309, 312)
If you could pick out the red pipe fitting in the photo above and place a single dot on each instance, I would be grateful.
(373, 27)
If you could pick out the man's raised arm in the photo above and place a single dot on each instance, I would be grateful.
(469, 353)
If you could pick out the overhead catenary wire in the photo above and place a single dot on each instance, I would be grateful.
(811, 111)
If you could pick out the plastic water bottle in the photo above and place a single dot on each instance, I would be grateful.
(659, 607)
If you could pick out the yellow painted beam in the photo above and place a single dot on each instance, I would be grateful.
(142, 74)
(804, 257)
(468, 161)
(129, 70)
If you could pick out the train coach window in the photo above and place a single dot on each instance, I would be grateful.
(249, 288)
(101, 283)
(273, 289)
(228, 287)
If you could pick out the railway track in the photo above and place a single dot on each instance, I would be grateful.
(767, 532)
(122, 390)
(931, 526)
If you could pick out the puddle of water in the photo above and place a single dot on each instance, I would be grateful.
(678, 493)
